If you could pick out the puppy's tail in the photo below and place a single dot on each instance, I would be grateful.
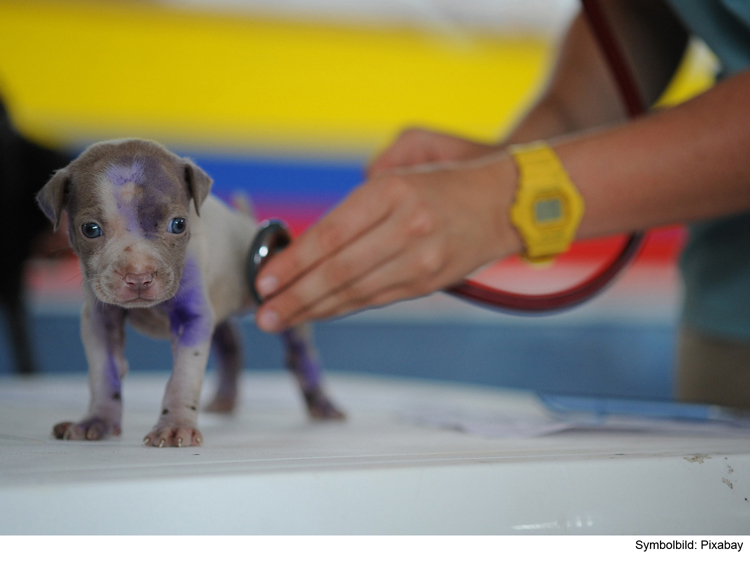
(242, 203)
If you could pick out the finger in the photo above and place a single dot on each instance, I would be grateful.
(365, 254)
(413, 146)
(418, 147)
(404, 152)
(414, 273)
(376, 247)
(388, 296)
(365, 208)
(393, 157)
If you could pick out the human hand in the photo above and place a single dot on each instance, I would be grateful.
(395, 237)
(417, 146)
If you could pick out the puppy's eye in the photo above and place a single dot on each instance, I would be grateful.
(177, 225)
(91, 230)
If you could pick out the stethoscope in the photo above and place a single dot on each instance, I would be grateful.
(273, 235)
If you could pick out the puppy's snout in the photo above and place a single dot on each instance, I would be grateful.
(137, 281)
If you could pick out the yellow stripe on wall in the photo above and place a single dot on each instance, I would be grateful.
(78, 71)
(91, 70)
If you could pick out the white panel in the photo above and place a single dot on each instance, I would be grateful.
(269, 470)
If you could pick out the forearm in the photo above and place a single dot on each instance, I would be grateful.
(688, 163)
(579, 94)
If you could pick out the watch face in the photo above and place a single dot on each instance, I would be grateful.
(548, 210)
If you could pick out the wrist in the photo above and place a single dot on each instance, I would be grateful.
(548, 207)
(500, 179)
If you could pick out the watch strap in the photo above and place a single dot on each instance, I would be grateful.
(548, 207)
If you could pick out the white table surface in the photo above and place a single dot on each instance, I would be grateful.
(267, 469)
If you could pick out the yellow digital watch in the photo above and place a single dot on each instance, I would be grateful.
(548, 208)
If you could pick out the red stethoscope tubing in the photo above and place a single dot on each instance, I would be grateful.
(540, 303)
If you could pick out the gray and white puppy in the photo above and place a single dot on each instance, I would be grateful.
(172, 270)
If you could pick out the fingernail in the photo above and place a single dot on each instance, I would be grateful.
(267, 284)
(268, 320)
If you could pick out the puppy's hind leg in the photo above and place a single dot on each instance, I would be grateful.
(302, 360)
(226, 343)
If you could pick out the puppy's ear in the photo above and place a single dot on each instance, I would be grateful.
(53, 198)
(198, 183)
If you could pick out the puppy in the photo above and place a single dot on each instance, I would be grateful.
(159, 252)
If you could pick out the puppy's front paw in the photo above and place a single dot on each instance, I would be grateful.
(177, 435)
(90, 429)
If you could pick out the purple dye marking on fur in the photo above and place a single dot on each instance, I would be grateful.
(150, 212)
(113, 375)
(188, 316)
(301, 360)
(146, 212)
(121, 173)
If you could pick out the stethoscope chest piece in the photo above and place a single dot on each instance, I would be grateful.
(272, 236)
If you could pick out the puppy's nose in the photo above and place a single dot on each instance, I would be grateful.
(139, 280)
